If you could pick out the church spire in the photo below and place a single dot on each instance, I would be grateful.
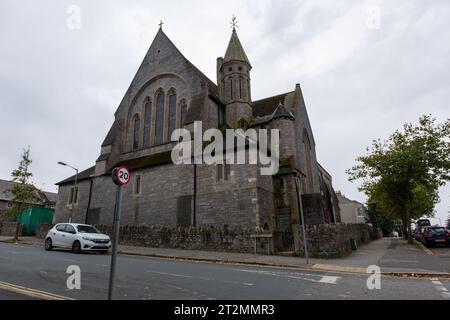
(233, 80)
(235, 51)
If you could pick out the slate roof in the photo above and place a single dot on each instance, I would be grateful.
(279, 111)
(7, 195)
(235, 51)
(83, 175)
(282, 112)
(267, 106)
(109, 139)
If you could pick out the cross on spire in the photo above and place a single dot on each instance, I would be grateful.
(233, 22)
(161, 24)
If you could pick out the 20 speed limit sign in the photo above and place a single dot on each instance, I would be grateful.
(121, 175)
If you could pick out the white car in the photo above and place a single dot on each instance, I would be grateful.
(78, 237)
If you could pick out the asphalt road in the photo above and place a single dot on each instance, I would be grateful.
(150, 278)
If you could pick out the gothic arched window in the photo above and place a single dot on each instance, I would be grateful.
(183, 112)
(240, 88)
(147, 122)
(159, 133)
(172, 111)
(136, 129)
(231, 88)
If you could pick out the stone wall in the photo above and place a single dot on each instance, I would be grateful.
(334, 240)
(324, 241)
(202, 238)
(9, 228)
(42, 229)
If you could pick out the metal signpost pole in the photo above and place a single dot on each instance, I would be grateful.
(121, 176)
(116, 230)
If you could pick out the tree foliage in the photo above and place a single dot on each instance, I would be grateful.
(403, 173)
(379, 219)
(24, 193)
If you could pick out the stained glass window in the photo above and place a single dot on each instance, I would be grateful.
(147, 123)
(159, 118)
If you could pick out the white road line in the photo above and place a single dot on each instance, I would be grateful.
(296, 275)
(200, 278)
(440, 287)
(329, 279)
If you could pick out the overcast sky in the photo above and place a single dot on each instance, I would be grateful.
(365, 68)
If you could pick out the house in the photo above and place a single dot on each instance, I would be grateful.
(351, 211)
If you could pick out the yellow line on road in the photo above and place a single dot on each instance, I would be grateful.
(32, 292)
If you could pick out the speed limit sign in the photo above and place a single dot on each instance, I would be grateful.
(121, 175)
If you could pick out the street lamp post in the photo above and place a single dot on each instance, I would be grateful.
(74, 186)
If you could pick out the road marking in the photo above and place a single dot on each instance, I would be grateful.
(440, 287)
(200, 278)
(296, 275)
(32, 292)
(329, 279)
(101, 265)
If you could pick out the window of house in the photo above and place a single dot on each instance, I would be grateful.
(172, 112)
(73, 198)
(136, 129)
(159, 117)
(137, 184)
(147, 122)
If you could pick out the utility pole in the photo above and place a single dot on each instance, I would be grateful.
(75, 189)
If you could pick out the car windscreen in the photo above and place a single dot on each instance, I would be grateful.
(87, 229)
(436, 230)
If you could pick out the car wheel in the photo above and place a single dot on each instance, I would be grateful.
(76, 247)
(48, 244)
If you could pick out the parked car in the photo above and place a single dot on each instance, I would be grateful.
(78, 237)
(435, 235)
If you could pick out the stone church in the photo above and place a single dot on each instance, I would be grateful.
(169, 92)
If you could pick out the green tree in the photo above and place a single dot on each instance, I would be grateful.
(23, 191)
(378, 218)
(403, 173)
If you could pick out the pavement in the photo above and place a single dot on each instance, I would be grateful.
(34, 273)
(394, 256)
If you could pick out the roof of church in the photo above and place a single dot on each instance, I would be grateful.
(83, 175)
(282, 112)
(235, 51)
(279, 113)
(109, 139)
(267, 106)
